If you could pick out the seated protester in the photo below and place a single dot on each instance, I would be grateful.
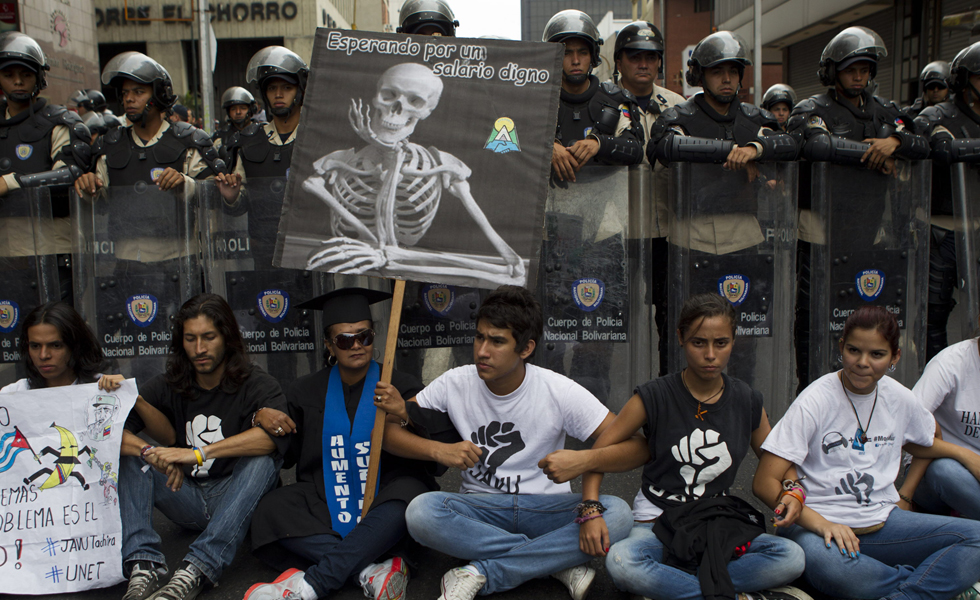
(307, 524)
(848, 452)
(509, 520)
(949, 389)
(687, 418)
(59, 349)
(598, 123)
(209, 394)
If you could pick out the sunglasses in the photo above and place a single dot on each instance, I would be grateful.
(345, 341)
(935, 86)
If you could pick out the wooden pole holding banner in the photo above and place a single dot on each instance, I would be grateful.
(378, 433)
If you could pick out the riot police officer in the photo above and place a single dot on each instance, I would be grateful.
(934, 82)
(41, 136)
(714, 126)
(240, 107)
(847, 125)
(953, 129)
(780, 100)
(427, 17)
(181, 152)
(597, 122)
(639, 56)
(41, 145)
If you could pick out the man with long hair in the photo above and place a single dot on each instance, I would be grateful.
(209, 394)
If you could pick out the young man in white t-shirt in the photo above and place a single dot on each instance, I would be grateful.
(510, 520)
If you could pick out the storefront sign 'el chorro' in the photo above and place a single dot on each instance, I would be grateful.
(175, 13)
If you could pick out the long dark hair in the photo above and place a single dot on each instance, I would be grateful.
(181, 374)
(86, 359)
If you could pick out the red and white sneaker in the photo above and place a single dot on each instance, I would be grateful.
(286, 587)
(385, 581)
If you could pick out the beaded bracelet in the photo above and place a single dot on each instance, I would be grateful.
(586, 505)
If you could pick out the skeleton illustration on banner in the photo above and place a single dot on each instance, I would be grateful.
(59, 453)
(384, 196)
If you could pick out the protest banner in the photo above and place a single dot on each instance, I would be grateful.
(424, 159)
(59, 501)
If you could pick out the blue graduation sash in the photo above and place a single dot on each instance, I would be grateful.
(347, 449)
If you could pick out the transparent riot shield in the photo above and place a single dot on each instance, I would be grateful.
(587, 273)
(28, 269)
(733, 233)
(875, 250)
(241, 241)
(136, 262)
(965, 188)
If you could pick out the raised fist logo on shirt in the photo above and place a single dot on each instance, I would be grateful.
(703, 457)
(498, 441)
(204, 430)
(857, 484)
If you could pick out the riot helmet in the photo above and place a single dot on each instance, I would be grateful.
(640, 36)
(848, 47)
(935, 72)
(719, 47)
(17, 48)
(574, 24)
(111, 120)
(95, 123)
(966, 63)
(138, 67)
(237, 95)
(96, 100)
(779, 93)
(278, 62)
(416, 14)
(79, 98)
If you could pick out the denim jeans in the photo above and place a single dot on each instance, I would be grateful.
(949, 485)
(220, 507)
(336, 560)
(509, 538)
(914, 556)
(636, 566)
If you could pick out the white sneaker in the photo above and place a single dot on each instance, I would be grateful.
(460, 584)
(385, 581)
(578, 580)
(285, 587)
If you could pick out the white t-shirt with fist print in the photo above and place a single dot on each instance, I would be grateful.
(517, 430)
(847, 481)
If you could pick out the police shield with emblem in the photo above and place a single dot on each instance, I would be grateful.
(871, 246)
(594, 285)
(966, 210)
(241, 238)
(136, 260)
(28, 267)
(733, 233)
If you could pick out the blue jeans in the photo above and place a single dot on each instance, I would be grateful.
(220, 507)
(949, 485)
(336, 560)
(636, 566)
(914, 556)
(509, 538)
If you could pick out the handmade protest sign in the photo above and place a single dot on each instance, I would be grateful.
(59, 502)
(422, 158)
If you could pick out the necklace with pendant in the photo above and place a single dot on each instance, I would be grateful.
(862, 432)
(701, 412)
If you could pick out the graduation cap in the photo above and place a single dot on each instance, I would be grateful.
(346, 305)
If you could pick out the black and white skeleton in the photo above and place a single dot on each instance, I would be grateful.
(384, 197)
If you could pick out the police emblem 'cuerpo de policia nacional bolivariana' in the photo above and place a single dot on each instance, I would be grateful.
(870, 284)
(9, 315)
(438, 298)
(588, 293)
(735, 288)
(273, 304)
(142, 309)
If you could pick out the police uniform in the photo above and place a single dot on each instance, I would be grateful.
(607, 114)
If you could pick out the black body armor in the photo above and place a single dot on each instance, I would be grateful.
(597, 112)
